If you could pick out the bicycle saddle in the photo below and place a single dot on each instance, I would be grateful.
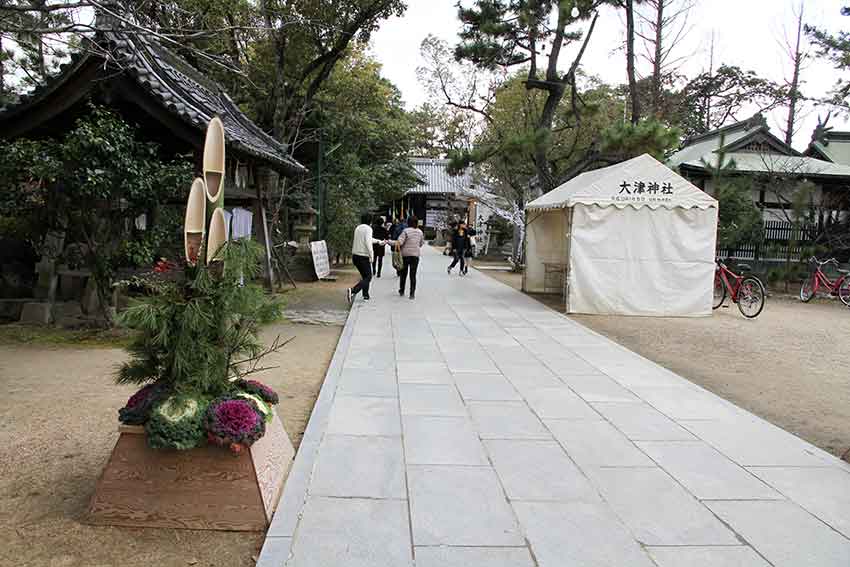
(840, 271)
(744, 267)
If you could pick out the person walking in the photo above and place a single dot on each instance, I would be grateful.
(362, 252)
(379, 232)
(409, 242)
(461, 243)
(398, 229)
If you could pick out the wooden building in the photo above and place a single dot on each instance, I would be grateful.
(441, 199)
(171, 103)
(770, 163)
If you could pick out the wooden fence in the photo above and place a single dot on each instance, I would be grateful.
(779, 238)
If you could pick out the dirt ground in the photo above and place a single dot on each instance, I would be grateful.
(789, 365)
(58, 424)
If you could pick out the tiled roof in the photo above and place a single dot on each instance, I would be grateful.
(754, 162)
(181, 89)
(700, 146)
(833, 146)
(436, 179)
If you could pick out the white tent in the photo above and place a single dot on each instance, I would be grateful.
(634, 238)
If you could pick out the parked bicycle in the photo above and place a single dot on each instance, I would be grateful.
(840, 287)
(746, 290)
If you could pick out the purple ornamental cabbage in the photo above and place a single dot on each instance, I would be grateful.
(258, 389)
(139, 406)
(234, 422)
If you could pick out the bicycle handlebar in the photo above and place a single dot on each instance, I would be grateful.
(824, 262)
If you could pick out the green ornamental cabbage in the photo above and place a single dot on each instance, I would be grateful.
(177, 423)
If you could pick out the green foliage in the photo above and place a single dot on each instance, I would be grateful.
(364, 123)
(177, 423)
(193, 336)
(627, 140)
(91, 183)
(153, 242)
(836, 48)
(739, 220)
(712, 99)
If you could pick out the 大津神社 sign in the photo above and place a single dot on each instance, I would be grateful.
(644, 192)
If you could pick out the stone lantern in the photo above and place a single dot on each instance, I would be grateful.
(304, 226)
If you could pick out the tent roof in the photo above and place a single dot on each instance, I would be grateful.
(604, 187)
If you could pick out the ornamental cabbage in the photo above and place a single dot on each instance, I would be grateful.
(177, 423)
(234, 422)
(258, 389)
(138, 407)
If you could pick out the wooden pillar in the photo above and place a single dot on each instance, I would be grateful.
(266, 180)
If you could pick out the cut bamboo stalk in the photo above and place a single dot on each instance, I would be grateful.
(214, 159)
(217, 236)
(196, 219)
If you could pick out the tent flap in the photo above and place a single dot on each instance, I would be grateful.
(641, 182)
(642, 262)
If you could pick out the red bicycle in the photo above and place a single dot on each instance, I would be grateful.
(745, 290)
(840, 287)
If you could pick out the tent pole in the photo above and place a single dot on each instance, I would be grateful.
(569, 213)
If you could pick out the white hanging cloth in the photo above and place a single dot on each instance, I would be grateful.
(242, 222)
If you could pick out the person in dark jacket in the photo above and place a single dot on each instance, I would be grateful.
(461, 244)
(379, 232)
(398, 229)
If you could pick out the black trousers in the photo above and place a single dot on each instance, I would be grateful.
(378, 265)
(411, 264)
(364, 266)
(460, 256)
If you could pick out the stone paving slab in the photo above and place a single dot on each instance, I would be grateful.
(507, 420)
(785, 534)
(364, 467)
(538, 470)
(352, 532)
(460, 506)
(658, 510)
(707, 474)
(445, 556)
(715, 556)
(476, 427)
(825, 492)
(571, 533)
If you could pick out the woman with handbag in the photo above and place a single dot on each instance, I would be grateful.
(408, 246)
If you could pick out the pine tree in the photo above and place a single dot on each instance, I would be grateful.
(198, 336)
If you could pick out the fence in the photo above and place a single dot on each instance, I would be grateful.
(781, 240)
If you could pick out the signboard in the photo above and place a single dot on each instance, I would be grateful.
(319, 248)
(435, 218)
(644, 192)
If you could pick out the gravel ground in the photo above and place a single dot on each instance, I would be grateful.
(789, 365)
(58, 420)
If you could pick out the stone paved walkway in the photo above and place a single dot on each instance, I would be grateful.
(475, 427)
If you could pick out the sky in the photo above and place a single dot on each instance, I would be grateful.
(747, 33)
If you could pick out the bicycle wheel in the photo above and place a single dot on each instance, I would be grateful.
(719, 292)
(807, 290)
(844, 292)
(751, 297)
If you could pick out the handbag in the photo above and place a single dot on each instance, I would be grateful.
(398, 263)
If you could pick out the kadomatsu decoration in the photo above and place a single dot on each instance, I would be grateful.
(198, 333)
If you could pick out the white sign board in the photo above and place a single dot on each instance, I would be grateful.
(319, 248)
(435, 218)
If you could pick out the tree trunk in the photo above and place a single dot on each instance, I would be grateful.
(630, 60)
(2, 72)
(656, 63)
(547, 117)
(793, 93)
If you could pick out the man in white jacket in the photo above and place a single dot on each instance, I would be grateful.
(361, 255)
